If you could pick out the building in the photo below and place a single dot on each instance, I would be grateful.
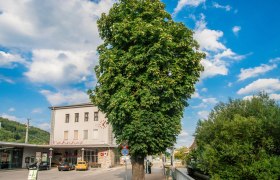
(20, 155)
(82, 132)
(78, 132)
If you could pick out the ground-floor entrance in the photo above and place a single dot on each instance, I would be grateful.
(21, 155)
(95, 156)
(10, 157)
(74, 155)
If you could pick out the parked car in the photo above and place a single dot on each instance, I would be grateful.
(65, 166)
(42, 166)
(82, 165)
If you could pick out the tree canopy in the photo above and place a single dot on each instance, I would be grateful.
(181, 153)
(148, 65)
(240, 140)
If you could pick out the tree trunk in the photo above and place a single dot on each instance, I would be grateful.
(138, 172)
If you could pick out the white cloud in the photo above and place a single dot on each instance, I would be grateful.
(184, 139)
(236, 30)
(6, 79)
(230, 84)
(44, 126)
(213, 68)
(11, 109)
(275, 97)
(226, 7)
(70, 96)
(275, 60)
(52, 24)
(37, 111)
(8, 60)
(256, 71)
(267, 85)
(62, 37)
(218, 56)
(182, 3)
(228, 54)
(201, 105)
(205, 103)
(204, 90)
(183, 134)
(208, 39)
(210, 100)
(13, 118)
(195, 95)
(58, 68)
(203, 114)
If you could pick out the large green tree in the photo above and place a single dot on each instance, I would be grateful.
(240, 140)
(148, 65)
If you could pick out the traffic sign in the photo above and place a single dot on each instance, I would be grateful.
(125, 152)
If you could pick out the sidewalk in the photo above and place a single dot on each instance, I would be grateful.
(157, 174)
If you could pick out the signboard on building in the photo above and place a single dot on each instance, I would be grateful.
(103, 154)
(50, 154)
(44, 157)
(38, 156)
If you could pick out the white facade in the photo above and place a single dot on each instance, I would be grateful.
(82, 132)
(79, 125)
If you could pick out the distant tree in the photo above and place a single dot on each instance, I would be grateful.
(181, 153)
(148, 65)
(12, 131)
(240, 140)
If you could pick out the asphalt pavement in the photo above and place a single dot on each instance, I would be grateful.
(115, 173)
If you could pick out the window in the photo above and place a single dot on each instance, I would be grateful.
(67, 118)
(76, 117)
(86, 116)
(95, 116)
(76, 134)
(85, 134)
(65, 135)
(95, 134)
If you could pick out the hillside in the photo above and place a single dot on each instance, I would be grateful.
(12, 131)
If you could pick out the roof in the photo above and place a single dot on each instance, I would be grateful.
(2, 143)
(72, 106)
(14, 144)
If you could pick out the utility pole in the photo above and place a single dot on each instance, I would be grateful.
(27, 127)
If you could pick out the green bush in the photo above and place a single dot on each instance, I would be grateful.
(240, 140)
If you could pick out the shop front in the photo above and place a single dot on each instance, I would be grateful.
(96, 156)
(10, 157)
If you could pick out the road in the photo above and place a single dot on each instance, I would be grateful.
(116, 173)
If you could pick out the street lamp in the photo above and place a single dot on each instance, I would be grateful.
(50, 156)
(83, 154)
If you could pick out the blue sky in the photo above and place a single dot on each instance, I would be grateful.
(47, 54)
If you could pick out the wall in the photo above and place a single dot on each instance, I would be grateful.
(182, 174)
(60, 126)
(106, 157)
(31, 151)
